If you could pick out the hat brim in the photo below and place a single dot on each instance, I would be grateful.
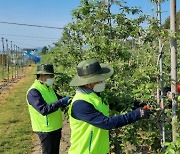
(105, 73)
(47, 73)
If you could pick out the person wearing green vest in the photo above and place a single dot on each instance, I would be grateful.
(44, 107)
(89, 115)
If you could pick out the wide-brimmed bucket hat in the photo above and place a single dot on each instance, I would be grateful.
(91, 71)
(45, 69)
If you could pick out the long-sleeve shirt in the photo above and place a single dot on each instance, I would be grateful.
(36, 100)
(85, 111)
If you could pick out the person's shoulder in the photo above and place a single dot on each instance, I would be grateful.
(81, 105)
(82, 109)
(33, 92)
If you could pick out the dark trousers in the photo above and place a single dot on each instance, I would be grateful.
(50, 141)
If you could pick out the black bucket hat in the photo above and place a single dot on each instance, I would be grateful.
(45, 69)
(90, 71)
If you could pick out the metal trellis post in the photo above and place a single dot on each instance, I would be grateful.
(15, 61)
(2, 59)
(12, 60)
(173, 45)
(7, 54)
(161, 80)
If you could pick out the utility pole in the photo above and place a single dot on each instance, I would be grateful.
(161, 81)
(173, 45)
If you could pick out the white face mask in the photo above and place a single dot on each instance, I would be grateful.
(50, 81)
(99, 87)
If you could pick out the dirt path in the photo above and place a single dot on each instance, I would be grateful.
(65, 140)
(11, 87)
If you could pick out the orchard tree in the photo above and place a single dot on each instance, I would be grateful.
(44, 50)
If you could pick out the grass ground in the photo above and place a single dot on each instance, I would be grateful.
(15, 126)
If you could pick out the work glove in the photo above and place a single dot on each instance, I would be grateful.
(144, 112)
(65, 101)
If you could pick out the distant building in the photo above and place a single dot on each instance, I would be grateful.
(32, 54)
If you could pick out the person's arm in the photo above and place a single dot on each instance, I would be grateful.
(35, 99)
(58, 96)
(85, 111)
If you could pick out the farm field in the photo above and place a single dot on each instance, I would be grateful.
(15, 127)
(140, 43)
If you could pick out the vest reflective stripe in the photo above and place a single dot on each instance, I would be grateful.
(86, 138)
(50, 122)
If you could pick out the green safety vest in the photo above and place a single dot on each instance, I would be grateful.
(86, 138)
(50, 122)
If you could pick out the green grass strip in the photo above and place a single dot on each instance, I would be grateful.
(15, 125)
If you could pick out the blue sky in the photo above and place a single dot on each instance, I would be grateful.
(55, 13)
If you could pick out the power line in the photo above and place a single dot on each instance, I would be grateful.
(16, 42)
(33, 39)
(13, 23)
(28, 39)
(23, 43)
(28, 36)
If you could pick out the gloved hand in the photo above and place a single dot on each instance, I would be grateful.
(65, 101)
(144, 112)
